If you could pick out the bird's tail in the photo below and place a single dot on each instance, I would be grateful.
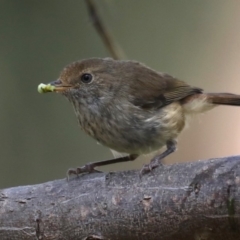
(223, 99)
(202, 102)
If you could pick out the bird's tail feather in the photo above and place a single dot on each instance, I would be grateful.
(223, 99)
(202, 102)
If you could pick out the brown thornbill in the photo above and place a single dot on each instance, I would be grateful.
(131, 108)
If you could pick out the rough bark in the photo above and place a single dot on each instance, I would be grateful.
(198, 200)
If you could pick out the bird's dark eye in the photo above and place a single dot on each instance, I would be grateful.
(86, 78)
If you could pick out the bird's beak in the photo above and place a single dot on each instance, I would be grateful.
(55, 86)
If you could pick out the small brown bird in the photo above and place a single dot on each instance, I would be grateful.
(131, 108)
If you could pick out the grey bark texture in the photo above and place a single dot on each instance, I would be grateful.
(198, 200)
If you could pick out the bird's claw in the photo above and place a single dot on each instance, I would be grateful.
(145, 169)
(88, 168)
(149, 167)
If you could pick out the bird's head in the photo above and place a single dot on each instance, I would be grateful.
(87, 80)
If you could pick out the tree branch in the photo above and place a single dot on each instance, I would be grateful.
(113, 48)
(197, 200)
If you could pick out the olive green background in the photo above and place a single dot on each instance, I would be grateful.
(197, 41)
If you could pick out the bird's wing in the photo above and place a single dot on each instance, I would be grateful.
(152, 89)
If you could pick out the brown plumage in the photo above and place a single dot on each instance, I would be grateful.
(131, 108)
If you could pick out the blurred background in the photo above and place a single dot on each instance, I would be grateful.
(196, 41)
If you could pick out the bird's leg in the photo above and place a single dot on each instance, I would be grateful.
(156, 161)
(90, 167)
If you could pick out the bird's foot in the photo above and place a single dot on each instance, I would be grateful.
(88, 168)
(149, 167)
(156, 161)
